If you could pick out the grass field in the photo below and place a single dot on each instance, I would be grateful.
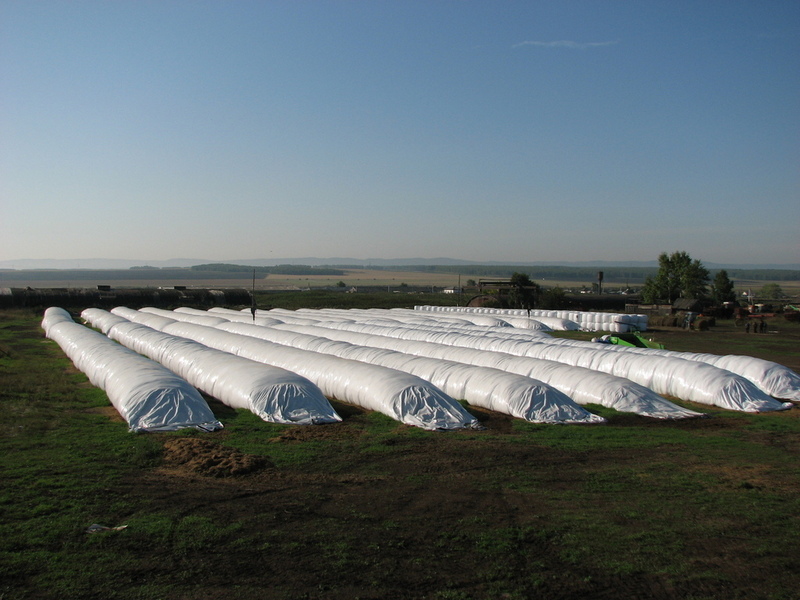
(369, 508)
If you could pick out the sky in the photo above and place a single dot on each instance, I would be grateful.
(483, 131)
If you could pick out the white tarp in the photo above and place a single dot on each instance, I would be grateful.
(583, 386)
(408, 316)
(587, 320)
(146, 395)
(447, 319)
(149, 319)
(411, 317)
(775, 379)
(402, 396)
(421, 320)
(101, 319)
(275, 395)
(772, 378)
(235, 315)
(187, 316)
(676, 377)
(508, 393)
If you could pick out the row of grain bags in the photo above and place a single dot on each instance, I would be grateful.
(771, 378)
(145, 394)
(544, 323)
(774, 379)
(587, 320)
(275, 395)
(407, 316)
(583, 386)
(403, 397)
(509, 393)
(667, 375)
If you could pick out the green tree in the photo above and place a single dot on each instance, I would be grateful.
(524, 291)
(554, 299)
(678, 277)
(771, 291)
(722, 288)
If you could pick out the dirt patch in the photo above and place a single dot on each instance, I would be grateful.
(495, 421)
(202, 457)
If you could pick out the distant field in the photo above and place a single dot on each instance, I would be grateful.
(129, 283)
(790, 288)
(365, 277)
(350, 277)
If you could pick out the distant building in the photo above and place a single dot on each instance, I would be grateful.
(687, 305)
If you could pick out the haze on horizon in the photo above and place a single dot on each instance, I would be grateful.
(515, 131)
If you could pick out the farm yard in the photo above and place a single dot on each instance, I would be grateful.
(617, 506)
(399, 301)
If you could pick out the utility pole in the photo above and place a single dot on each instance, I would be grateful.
(253, 297)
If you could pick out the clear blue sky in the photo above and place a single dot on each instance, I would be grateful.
(494, 130)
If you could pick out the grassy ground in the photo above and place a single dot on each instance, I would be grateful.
(368, 508)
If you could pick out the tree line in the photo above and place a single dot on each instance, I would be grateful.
(680, 276)
(618, 274)
(276, 270)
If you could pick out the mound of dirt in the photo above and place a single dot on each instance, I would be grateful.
(211, 459)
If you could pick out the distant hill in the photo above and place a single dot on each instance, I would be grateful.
(105, 263)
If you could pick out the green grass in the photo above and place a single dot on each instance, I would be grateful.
(60, 462)
(371, 508)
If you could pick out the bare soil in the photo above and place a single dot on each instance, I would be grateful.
(204, 457)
